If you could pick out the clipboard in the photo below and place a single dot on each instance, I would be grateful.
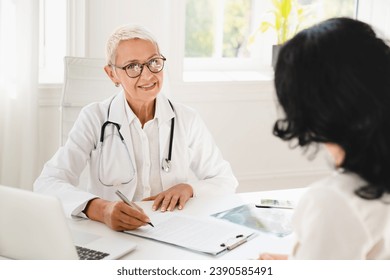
(206, 234)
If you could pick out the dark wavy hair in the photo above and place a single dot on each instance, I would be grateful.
(333, 83)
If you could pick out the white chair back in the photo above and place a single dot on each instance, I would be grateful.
(85, 81)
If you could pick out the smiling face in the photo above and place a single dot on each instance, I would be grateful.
(144, 89)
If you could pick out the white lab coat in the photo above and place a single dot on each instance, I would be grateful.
(193, 152)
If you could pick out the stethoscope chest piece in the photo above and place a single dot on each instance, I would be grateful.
(166, 165)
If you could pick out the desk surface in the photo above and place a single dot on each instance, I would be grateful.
(154, 250)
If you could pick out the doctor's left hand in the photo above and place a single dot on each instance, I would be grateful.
(177, 195)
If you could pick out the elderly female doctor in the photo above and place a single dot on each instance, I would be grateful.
(138, 142)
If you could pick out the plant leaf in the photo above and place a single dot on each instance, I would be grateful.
(288, 16)
(264, 26)
(286, 8)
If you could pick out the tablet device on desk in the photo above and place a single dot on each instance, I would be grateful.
(33, 226)
(276, 203)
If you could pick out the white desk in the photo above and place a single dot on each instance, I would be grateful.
(154, 250)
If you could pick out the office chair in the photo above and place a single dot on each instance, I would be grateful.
(84, 82)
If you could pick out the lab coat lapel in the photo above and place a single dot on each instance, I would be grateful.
(118, 115)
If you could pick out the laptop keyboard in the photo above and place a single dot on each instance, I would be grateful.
(89, 254)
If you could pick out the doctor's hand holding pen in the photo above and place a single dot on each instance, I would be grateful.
(126, 215)
(117, 215)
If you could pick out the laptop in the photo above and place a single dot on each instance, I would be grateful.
(34, 226)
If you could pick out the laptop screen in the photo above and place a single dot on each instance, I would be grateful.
(34, 226)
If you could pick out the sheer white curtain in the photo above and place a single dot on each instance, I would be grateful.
(19, 25)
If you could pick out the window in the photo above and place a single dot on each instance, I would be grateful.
(221, 36)
(216, 43)
(52, 40)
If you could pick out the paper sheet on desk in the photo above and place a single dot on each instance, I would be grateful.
(203, 234)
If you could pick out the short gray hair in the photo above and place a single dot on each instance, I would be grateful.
(126, 32)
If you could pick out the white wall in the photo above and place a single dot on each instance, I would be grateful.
(377, 13)
(240, 115)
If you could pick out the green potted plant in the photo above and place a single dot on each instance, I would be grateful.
(285, 18)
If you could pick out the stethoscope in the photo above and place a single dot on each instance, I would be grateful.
(166, 162)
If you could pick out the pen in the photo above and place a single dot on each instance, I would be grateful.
(128, 202)
(277, 207)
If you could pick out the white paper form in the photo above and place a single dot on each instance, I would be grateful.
(203, 234)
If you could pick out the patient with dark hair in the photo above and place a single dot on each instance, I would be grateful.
(333, 83)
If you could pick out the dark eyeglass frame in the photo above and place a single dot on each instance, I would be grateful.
(141, 66)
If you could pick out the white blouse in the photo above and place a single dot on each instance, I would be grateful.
(332, 222)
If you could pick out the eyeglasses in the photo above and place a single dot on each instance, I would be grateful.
(134, 69)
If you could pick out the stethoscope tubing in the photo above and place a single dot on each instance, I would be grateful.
(166, 165)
